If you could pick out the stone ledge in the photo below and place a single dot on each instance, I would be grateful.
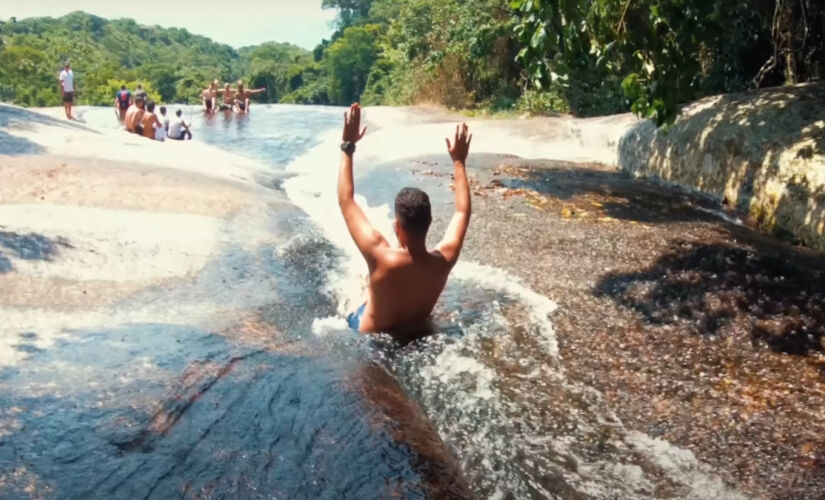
(761, 151)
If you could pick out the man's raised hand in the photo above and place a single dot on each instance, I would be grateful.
(460, 146)
(352, 125)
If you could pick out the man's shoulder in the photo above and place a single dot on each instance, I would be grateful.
(398, 258)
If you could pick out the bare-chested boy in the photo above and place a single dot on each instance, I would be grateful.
(242, 97)
(210, 97)
(228, 97)
(134, 116)
(404, 282)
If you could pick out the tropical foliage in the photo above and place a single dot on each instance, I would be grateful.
(583, 56)
(665, 52)
(105, 54)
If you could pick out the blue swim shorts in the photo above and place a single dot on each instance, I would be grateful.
(354, 319)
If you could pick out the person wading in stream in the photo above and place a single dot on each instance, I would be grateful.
(404, 282)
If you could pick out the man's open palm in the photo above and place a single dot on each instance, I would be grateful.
(352, 125)
(460, 146)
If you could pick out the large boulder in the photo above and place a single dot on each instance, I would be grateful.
(761, 151)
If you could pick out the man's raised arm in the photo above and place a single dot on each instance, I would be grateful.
(450, 246)
(368, 240)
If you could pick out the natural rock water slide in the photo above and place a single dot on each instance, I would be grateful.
(176, 330)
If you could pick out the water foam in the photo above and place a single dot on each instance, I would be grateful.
(507, 440)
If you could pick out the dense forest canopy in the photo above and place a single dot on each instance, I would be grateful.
(583, 56)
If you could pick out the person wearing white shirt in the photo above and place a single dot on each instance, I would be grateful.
(67, 89)
(164, 119)
(160, 132)
(178, 130)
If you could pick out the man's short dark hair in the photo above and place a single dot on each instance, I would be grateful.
(178, 113)
(163, 110)
(412, 208)
(123, 87)
(150, 106)
(139, 86)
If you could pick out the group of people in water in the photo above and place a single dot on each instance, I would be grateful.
(236, 99)
(137, 113)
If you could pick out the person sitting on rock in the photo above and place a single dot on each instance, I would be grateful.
(150, 122)
(178, 129)
(134, 116)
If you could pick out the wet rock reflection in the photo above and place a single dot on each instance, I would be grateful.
(156, 411)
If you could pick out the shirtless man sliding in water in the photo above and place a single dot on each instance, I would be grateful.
(404, 282)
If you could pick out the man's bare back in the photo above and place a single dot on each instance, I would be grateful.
(403, 290)
(405, 282)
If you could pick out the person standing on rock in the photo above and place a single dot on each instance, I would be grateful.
(123, 100)
(67, 89)
(140, 93)
(405, 282)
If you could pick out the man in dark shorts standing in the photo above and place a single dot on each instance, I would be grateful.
(228, 98)
(404, 282)
(67, 89)
(140, 93)
(122, 102)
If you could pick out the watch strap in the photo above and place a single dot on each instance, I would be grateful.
(348, 147)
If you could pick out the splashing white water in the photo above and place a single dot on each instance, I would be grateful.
(507, 440)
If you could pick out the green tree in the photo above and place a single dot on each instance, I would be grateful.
(454, 53)
(350, 12)
(167, 60)
(277, 66)
(28, 79)
(349, 61)
(667, 52)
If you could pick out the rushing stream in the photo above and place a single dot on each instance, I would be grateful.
(287, 403)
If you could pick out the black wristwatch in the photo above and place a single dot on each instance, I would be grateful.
(348, 147)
